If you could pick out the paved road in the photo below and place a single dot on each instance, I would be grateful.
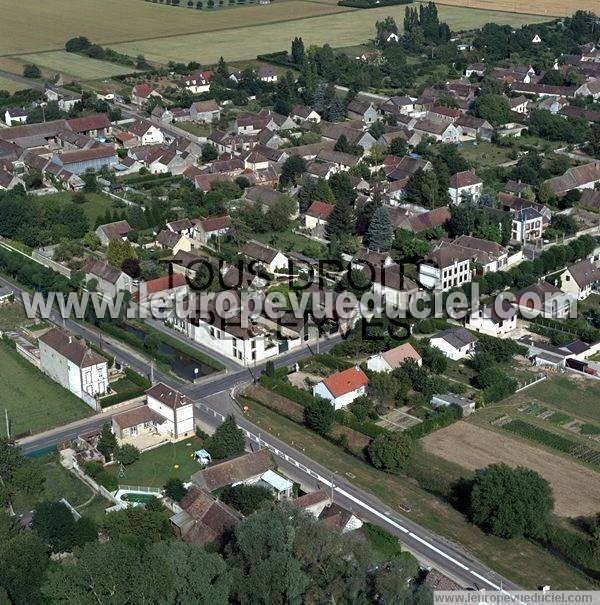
(213, 403)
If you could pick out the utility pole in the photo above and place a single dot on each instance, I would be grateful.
(7, 423)
(151, 372)
(332, 488)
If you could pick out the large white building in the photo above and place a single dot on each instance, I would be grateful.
(73, 365)
(174, 407)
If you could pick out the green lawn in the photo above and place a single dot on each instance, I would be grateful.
(95, 206)
(60, 483)
(77, 66)
(199, 130)
(484, 155)
(517, 559)
(34, 402)
(155, 466)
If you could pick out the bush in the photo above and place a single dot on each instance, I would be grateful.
(246, 498)
(127, 454)
(319, 415)
(175, 489)
(107, 480)
(390, 452)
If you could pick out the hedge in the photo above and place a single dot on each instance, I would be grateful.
(370, 429)
(573, 547)
(441, 418)
(142, 385)
(283, 387)
(329, 361)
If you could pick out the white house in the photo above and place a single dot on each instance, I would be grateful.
(109, 280)
(465, 185)
(342, 388)
(590, 88)
(545, 300)
(174, 407)
(445, 268)
(15, 115)
(266, 256)
(456, 343)
(73, 365)
(580, 279)
(147, 133)
(198, 83)
(486, 321)
(302, 113)
(394, 358)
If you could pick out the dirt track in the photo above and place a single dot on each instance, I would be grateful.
(576, 488)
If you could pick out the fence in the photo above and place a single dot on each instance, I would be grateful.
(540, 378)
(41, 258)
(140, 489)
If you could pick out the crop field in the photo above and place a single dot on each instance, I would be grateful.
(60, 61)
(576, 488)
(46, 26)
(342, 29)
(10, 85)
(549, 8)
(163, 33)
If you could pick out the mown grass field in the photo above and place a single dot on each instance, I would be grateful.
(34, 402)
(344, 29)
(60, 61)
(164, 33)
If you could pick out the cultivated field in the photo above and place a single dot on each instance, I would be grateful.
(165, 33)
(550, 8)
(45, 26)
(34, 401)
(576, 488)
(60, 61)
(343, 29)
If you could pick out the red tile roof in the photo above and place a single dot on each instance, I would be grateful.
(320, 210)
(166, 282)
(216, 223)
(349, 380)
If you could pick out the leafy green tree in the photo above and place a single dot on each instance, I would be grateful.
(137, 525)
(32, 71)
(494, 108)
(298, 51)
(511, 502)
(246, 498)
(199, 577)
(293, 168)
(280, 212)
(111, 573)
(228, 440)
(54, 523)
(282, 555)
(398, 147)
(118, 251)
(319, 415)
(362, 408)
(341, 220)
(175, 489)
(390, 452)
(381, 232)
(126, 453)
(107, 442)
(23, 562)
(209, 153)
